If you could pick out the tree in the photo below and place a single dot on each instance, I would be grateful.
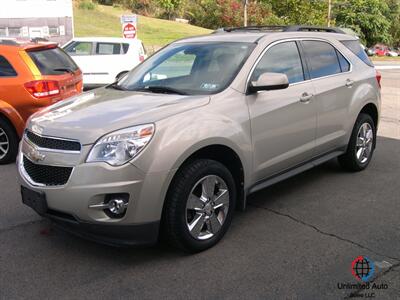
(367, 18)
(311, 12)
(394, 17)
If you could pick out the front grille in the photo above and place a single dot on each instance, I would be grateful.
(51, 143)
(47, 175)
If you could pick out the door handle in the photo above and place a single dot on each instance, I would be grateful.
(349, 83)
(306, 97)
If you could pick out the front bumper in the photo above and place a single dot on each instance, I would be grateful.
(88, 185)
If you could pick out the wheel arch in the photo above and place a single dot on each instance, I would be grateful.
(223, 154)
(10, 115)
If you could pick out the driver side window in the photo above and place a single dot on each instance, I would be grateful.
(178, 65)
(281, 58)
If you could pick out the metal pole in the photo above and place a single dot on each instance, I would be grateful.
(245, 13)
(329, 12)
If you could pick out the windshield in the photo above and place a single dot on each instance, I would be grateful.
(188, 69)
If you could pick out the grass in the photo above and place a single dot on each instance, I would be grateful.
(385, 58)
(105, 21)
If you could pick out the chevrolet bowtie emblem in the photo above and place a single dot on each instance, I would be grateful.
(35, 155)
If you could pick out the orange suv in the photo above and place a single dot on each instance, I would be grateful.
(32, 76)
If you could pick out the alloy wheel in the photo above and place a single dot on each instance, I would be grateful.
(4, 143)
(207, 207)
(365, 139)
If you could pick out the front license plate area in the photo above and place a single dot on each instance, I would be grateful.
(35, 200)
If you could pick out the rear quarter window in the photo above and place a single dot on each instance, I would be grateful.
(355, 47)
(52, 61)
(6, 69)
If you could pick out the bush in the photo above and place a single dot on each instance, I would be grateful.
(89, 5)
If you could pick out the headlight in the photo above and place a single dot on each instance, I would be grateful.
(119, 147)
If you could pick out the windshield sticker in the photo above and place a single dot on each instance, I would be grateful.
(209, 86)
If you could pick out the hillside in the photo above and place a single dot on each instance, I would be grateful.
(104, 21)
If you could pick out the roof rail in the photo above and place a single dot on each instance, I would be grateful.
(280, 28)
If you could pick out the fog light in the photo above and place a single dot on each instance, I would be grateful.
(117, 206)
(114, 205)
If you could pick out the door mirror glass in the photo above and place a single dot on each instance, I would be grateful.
(268, 82)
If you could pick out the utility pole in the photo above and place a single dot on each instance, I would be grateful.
(246, 2)
(329, 12)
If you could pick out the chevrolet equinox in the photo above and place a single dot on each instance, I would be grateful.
(175, 146)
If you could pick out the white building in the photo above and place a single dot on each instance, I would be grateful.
(50, 19)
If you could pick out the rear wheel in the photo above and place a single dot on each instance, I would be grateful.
(200, 205)
(362, 145)
(8, 143)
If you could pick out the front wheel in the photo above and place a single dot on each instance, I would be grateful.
(200, 205)
(361, 146)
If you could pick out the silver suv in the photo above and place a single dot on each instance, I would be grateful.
(173, 147)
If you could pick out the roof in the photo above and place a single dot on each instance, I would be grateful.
(25, 44)
(106, 40)
(255, 36)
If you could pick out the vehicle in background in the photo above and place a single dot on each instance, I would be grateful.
(392, 52)
(381, 50)
(32, 76)
(103, 60)
(370, 51)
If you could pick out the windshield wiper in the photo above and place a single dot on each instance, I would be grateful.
(67, 70)
(160, 89)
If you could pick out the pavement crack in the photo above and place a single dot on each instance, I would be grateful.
(315, 228)
(6, 229)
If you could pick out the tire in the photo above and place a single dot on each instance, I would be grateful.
(350, 160)
(180, 213)
(8, 143)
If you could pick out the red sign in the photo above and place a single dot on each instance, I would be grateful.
(129, 31)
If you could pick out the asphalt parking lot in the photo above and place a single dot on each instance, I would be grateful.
(296, 240)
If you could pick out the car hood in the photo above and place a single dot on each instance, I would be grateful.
(91, 115)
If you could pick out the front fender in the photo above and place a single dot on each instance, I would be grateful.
(13, 116)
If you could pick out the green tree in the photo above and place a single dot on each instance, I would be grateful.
(311, 12)
(366, 17)
(394, 18)
(172, 8)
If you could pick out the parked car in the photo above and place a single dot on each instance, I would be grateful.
(370, 52)
(392, 53)
(32, 76)
(381, 51)
(103, 60)
(181, 141)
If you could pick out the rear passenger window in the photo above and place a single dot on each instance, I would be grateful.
(281, 58)
(6, 69)
(108, 48)
(344, 64)
(322, 57)
(355, 47)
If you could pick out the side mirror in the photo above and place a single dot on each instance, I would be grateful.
(269, 82)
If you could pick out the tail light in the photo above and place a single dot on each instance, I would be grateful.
(141, 58)
(43, 88)
(378, 78)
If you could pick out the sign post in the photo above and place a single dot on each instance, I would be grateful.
(129, 26)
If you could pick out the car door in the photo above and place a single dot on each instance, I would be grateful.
(82, 53)
(334, 86)
(110, 61)
(283, 122)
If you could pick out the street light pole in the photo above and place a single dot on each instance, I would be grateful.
(245, 13)
(329, 12)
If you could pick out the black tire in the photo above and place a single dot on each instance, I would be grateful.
(175, 229)
(349, 160)
(9, 135)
